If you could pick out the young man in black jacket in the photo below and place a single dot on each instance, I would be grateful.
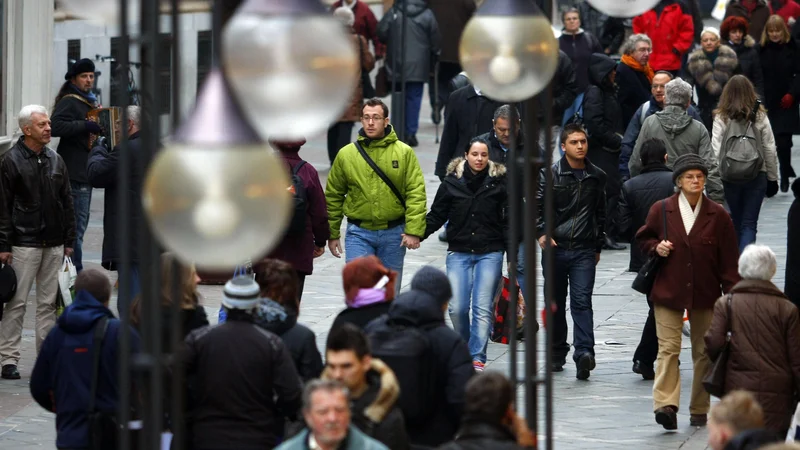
(74, 101)
(373, 387)
(577, 239)
(242, 377)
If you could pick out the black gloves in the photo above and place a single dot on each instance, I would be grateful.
(772, 188)
(93, 127)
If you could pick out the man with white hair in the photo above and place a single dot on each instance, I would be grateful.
(681, 133)
(37, 229)
(101, 171)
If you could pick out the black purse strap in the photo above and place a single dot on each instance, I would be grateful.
(664, 215)
(729, 331)
(97, 347)
(380, 173)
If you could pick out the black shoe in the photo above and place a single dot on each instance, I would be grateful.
(611, 244)
(698, 420)
(10, 372)
(645, 371)
(443, 236)
(784, 184)
(412, 141)
(667, 417)
(585, 364)
(558, 366)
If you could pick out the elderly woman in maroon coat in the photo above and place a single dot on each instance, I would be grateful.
(301, 249)
(700, 262)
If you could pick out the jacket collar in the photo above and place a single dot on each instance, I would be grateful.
(657, 167)
(474, 428)
(382, 391)
(757, 287)
(28, 153)
(458, 165)
(565, 169)
(389, 138)
(671, 206)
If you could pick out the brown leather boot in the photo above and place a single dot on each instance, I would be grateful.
(698, 420)
(667, 417)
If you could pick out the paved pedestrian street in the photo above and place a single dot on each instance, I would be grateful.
(612, 410)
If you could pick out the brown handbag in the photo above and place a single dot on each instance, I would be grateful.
(382, 82)
(714, 381)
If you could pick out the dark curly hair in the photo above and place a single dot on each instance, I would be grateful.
(278, 280)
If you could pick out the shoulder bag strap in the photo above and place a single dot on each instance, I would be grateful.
(97, 347)
(730, 317)
(79, 98)
(298, 167)
(380, 173)
(664, 215)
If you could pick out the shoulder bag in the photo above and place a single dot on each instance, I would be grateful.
(367, 91)
(380, 174)
(647, 274)
(714, 381)
(103, 427)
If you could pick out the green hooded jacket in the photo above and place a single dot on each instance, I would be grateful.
(355, 191)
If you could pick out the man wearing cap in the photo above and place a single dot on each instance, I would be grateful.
(700, 263)
(74, 100)
(243, 375)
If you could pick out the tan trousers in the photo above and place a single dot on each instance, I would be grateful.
(42, 265)
(667, 385)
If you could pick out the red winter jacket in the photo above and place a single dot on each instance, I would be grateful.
(789, 9)
(672, 34)
(365, 25)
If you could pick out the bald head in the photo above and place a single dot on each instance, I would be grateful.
(95, 283)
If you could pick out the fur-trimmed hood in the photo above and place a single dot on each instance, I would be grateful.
(710, 77)
(457, 166)
(387, 393)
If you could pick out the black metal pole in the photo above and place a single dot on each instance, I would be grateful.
(513, 239)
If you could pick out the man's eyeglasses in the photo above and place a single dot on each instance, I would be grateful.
(371, 118)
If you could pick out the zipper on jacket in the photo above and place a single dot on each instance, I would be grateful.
(574, 216)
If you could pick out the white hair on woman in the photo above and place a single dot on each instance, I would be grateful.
(346, 15)
(757, 262)
(27, 112)
(711, 30)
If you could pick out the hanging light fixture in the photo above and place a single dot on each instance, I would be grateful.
(623, 8)
(292, 66)
(508, 50)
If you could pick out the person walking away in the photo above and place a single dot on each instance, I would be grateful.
(634, 75)
(372, 385)
(37, 230)
(670, 27)
(422, 46)
(737, 422)
(792, 278)
(737, 111)
(779, 55)
(382, 220)
(638, 195)
(681, 134)
(733, 32)
(762, 360)
(365, 23)
(578, 45)
(655, 104)
(700, 262)
(432, 381)
(474, 200)
(755, 11)
(708, 69)
(577, 240)
(369, 289)
(72, 104)
(277, 312)
(300, 247)
(101, 171)
(340, 133)
(489, 417)
(609, 30)
(242, 406)
(63, 378)
(603, 120)
(327, 413)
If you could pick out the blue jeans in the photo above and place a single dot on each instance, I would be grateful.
(744, 201)
(385, 244)
(521, 270)
(135, 289)
(81, 201)
(574, 269)
(474, 277)
(413, 105)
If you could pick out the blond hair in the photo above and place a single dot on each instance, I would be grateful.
(739, 410)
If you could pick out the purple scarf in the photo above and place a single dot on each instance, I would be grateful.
(366, 297)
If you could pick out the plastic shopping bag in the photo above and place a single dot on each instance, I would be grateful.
(66, 280)
(246, 269)
(719, 9)
(794, 430)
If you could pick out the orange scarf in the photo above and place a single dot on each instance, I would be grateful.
(633, 64)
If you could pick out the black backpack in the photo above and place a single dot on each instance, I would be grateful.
(298, 224)
(407, 351)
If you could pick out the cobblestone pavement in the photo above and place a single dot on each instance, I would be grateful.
(612, 410)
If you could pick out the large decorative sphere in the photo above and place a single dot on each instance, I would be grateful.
(623, 8)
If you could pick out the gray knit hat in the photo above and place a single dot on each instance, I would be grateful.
(434, 282)
(689, 161)
(241, 293)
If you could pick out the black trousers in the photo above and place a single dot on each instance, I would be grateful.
(608, 162)
(339, 135)
(301, 283)
(784, 144)
(647, 351)
(447, 71)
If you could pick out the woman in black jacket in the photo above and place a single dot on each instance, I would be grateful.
(277, 312)
(734, 32)
(603, 120)
(792, 284)
(780, 61)
(473, 199)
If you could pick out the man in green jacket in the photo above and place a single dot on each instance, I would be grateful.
(382, 220)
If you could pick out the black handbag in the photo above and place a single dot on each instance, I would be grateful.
(647, 274)
(103, 428)
(714, 381)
